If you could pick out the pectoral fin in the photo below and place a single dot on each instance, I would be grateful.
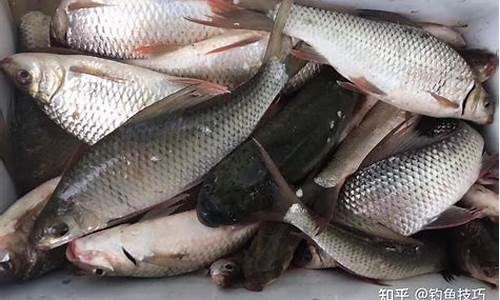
(444, 102)
(85, 70)
(453, 217)
(85, 4)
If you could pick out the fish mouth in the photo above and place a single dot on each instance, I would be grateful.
(71, 252)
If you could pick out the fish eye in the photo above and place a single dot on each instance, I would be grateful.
(6, 266)
(228, 267)
(58, 230)
(99, 272)
(24, 77)
(486, 103)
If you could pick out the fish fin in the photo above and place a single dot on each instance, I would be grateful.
(346, 85)
(444, 102)
(489, 170)
(84, 70)
(275, 45)
(166, 208)
(184, 98)
(308, 53)
(235, 18)
(202, 86)
(367, 87)
(156, 50)
(286, 196)
(454, 217)
(241, 43)
(445, 33)
(85, 4)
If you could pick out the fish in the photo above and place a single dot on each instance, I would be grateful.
(20, 8)
(425, 76)
(474, 249)
(34, 31)
(269, 255)
(228, 59)
(161, 152)
(130, 29)
(90, 97)
(309, 256)
(225, 272)
(410, 188)
(240, 184)
(134, 250)
(482, 198)
(373, 259)
(19, 259)
(41, 149)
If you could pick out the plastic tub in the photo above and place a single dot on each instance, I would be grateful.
(481, 16)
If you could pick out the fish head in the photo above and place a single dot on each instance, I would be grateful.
(224, 272)
(13, 257)
(60, 23)
(101, 254)
(478, 106)
(37, 74)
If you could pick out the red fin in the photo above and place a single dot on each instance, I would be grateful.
(238, 19)
(96, 73)
(446, 103)
(204, 87)
(369, 88)
(454, 217)
(306, 52)
(155, 50)
(84, 4)
(238, 44)
(222, 6)
(349, 86)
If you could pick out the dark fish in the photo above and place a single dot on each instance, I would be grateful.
(474, 248)
(298, 138)
(269, 255)
(41, 148)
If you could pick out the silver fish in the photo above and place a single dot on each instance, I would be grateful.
(228, 59)
(136, 251)
(402, 65)
(157, 155)
(34, 31)
(128, 29)
(409, 190)
(90, 97)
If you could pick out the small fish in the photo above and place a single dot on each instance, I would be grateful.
(228, 59)
(418, 180)
(135, 250)
(225, 272)
(425, 76)
(269, 255)
(90, 97)
(129, 29)
(34, 31)
(474, 248)
(240, 184)
(309, 256)
(19, 259)
(367, 257)
(161, 152)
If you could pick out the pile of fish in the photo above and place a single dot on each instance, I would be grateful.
(164, 137)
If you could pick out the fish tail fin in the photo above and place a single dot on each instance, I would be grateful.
(284, 196)
(231, 16)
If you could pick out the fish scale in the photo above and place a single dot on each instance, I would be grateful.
(407, 64)
(125, 26)
(184, 149)
(407, 191)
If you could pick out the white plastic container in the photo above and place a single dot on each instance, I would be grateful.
(481, 18)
